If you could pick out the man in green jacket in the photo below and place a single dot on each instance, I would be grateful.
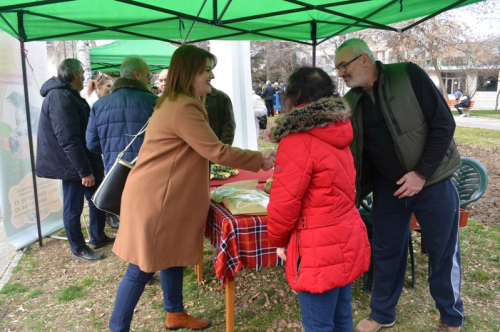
(220, 115)
(404, 153)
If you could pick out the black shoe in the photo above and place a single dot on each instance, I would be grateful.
(113, 220)
(88, 255)
(107, 240)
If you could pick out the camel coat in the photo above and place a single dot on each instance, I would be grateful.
(166, 198)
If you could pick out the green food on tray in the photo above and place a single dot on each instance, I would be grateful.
(222, 172)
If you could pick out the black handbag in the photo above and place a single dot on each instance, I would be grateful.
(109, 194)
(262, 122)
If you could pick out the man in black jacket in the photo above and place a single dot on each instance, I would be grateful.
(464, 102)
(62, 154)
(268, 96)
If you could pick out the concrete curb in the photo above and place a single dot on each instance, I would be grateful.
(8, 273)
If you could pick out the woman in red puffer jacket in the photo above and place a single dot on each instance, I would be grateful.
(311, 208)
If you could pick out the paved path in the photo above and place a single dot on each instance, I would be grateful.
(9, 257)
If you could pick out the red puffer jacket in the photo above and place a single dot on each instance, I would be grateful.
(311, 208)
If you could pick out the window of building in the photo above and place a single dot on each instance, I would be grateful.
(453, 81)
(487, 83)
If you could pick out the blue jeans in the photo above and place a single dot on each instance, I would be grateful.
(131, 288)
(73, 194)
(327, 312)
(436, 208)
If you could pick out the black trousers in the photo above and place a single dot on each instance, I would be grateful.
(270, 108)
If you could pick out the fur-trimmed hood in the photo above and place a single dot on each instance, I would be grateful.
(125, 82)
(315, 115)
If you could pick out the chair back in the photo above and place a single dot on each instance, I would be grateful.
(471, 180)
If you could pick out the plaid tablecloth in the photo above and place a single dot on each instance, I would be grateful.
(241, 242)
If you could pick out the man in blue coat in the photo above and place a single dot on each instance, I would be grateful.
(115, 118)
(62, 154)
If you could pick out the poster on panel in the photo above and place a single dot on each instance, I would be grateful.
(17, 199)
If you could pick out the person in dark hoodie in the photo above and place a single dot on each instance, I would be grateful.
(62, 154)
(115, 118)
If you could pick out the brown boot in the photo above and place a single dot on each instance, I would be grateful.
(177, 320)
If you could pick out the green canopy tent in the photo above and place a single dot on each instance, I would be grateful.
(308, 22)
(109, 57)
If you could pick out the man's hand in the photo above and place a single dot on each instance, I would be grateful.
(281, 253)
(411, 184)
(88, 181)
(268, 159)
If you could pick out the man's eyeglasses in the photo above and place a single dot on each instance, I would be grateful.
(343, 68)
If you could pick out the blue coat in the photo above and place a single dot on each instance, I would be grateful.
(116, 117)
(61, 150)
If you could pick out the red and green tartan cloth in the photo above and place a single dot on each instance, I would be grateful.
(241, 242)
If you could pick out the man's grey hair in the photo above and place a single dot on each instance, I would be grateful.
(67, 68)
(164, 71)
(131, 63)
(357, 46)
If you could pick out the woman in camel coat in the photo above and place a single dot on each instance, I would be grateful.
(166, 198)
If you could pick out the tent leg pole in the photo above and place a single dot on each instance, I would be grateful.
(314, 56)
(30, 140)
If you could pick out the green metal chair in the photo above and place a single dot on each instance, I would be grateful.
(471, 180)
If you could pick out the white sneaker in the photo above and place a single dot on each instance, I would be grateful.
(462, 115)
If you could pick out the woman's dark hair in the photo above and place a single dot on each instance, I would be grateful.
(308, 84)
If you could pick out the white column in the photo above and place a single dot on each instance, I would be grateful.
(233, 76)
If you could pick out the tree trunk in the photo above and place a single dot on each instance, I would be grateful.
(496, 103)
(82, 54)
(442, 87)
(268, 65)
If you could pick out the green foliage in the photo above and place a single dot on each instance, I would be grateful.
(88, 281)
(485, 114)
(35, 293)
(13, 289)
(72, 293)
(475, 136)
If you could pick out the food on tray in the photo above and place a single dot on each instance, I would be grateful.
(242, 197)
(222, 172)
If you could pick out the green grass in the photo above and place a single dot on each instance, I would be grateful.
(13, 289)
(477, 136)
(72, 293)
(88, 281)
(485, 114)
(481, 113)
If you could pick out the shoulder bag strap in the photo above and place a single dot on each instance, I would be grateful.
(142, 131)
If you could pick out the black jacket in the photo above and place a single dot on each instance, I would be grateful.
(61, 149)
(269, 92)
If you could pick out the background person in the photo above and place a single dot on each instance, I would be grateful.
(311, 208)
(457, 94)
(405, 154)
(220, 115)
(268, 96)
(99, 87)
(121, 114)
(162, 79)
(62, 154)
(464, 102)
(259, 111)
(166, 198)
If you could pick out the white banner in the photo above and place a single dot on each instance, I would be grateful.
(17, 199)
